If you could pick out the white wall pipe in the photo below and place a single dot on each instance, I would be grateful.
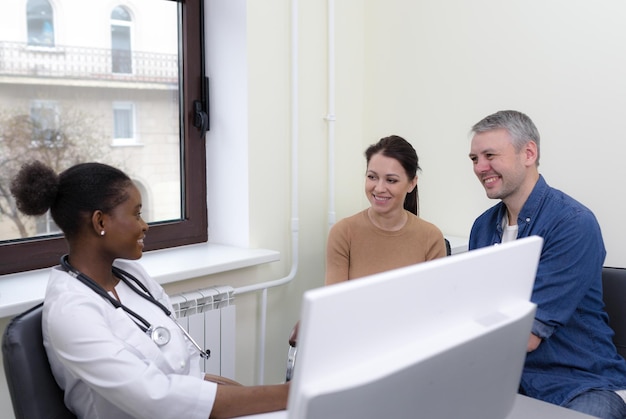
(330, 117)
(294, 199)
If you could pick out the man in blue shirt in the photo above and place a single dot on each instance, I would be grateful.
(571, 358)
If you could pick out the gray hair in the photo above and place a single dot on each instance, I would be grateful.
(518, 125)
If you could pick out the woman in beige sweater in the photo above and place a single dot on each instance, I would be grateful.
(388, 234)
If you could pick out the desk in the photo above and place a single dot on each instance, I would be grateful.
(524, 408)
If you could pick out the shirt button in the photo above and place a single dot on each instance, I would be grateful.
(528, 220)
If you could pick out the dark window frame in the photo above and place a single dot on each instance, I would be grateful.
(42, 252)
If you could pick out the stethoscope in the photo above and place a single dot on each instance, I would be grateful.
(159, 334)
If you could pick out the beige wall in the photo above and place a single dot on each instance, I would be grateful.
(426, 70)
(435, 68)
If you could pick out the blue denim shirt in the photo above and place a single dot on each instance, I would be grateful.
(577, 352)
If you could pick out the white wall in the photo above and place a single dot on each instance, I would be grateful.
(435, 68)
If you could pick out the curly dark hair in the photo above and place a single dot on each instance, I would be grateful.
(71, 196)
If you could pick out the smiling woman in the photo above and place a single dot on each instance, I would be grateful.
(140, 350)
(388, 234)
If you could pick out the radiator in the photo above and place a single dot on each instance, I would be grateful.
(209, 317)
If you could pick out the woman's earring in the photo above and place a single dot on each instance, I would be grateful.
(102, 233)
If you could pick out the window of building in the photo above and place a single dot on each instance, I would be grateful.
(45, 225)
(121, 57)
(44, 119)
(40, 23)
(68, 110)
(124, 124)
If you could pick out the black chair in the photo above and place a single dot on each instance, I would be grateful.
(34, 392)
(614, 295)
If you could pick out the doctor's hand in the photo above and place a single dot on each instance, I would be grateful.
(233, 401)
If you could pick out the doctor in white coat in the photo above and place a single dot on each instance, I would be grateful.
(113, 345)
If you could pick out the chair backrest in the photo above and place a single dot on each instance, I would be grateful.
(614, 295)
(34, 392)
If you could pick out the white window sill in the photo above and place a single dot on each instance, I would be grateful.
(20, 291)
(126, 142)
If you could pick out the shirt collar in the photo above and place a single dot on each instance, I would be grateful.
(530, 207)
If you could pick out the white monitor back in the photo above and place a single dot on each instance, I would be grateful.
(438, 340)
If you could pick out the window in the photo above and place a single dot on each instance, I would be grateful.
(40, 23)
(121, 57)
(124, 124)
(44, 118)
(154, 103)
(45, 225)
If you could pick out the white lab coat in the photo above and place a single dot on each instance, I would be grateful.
(110, 368)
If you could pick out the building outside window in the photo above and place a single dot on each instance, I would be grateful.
(92, 93)
(45, 225)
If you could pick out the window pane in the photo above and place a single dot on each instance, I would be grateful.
(40, 23)
(44, 122)
(187, 211)
(123, 126)
(120, 41)
(107, 94)
(120, 13)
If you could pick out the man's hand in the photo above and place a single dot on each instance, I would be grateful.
(533, 343)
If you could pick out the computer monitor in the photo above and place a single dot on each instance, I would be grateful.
(437, 340)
